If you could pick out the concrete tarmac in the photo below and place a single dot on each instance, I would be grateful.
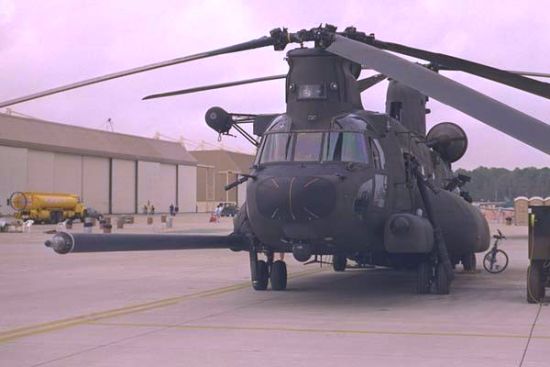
(196, 308)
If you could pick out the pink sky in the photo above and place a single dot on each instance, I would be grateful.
(45, 44)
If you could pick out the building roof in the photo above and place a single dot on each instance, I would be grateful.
(56, 137)
(224, 160)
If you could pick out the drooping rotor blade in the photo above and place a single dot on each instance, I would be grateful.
(530, 73)
(512, 79)
(257, 43)
(518, 72)
(366, 83)
(215, 86)
(494, 113)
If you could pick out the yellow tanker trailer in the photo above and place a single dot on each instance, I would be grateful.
(47, 207)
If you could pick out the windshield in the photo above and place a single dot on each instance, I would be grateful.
(316, 146)
(277, 148)
(308, 146)
(346, 147)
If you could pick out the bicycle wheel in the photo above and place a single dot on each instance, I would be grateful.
(495, 261)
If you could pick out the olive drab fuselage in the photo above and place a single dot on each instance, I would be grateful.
(329, 174)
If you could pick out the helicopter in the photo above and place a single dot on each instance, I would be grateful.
(331, 178)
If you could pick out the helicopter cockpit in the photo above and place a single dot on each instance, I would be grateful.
(350, 138)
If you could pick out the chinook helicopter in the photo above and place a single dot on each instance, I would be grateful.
(331, 178)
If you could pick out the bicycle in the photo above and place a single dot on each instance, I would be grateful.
(496, 260)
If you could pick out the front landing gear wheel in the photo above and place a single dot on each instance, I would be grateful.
(442, 281)
(278, 276)
(469, 262)
(423, 277)
(535, 282)
(339, 262)
(261, 278)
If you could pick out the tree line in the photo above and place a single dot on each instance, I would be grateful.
(500, 184)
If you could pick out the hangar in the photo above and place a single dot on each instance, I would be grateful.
(111, 172)
(215, 169)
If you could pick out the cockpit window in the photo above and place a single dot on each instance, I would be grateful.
(277, 148)
(280, 124)
(346, 147)
(350, 122)
(377, 154)
(308, 146)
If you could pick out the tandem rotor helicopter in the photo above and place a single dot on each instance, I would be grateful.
(331, 178)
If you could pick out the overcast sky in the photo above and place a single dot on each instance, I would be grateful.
(45, 44)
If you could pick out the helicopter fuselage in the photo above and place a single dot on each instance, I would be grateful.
(329, 176)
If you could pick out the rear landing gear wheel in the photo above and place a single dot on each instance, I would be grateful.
(535, 282)
(442, 281)
(339, 262)
(278, 276)
(261, 278)
(423, 277)
(469, 262)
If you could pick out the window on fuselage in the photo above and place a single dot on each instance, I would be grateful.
(377, 153)
(277, 148)
(346, 147)
(308, 147)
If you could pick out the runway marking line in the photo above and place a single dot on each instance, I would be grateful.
(46, 327)
(319, 331)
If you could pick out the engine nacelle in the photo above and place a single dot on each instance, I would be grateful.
(449, 140)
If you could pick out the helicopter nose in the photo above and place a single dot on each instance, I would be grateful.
(295, 199)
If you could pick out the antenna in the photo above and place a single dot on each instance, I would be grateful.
(109, 125)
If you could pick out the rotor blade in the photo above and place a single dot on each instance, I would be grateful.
(366, 83)
(257, 43)
(514, 80)
(215, 86)
(530, 73)
(494, 113)
(524, 73)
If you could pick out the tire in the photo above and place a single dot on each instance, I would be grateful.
(495, 261)
(442, 282)
(262, 276)
(469, 261)
(339, 262)
(535, 282)
(278, 276)
(423, 277)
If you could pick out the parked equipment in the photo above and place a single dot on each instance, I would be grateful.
(538, 273)
(45, 207)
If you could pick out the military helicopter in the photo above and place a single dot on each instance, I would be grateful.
(331, 178)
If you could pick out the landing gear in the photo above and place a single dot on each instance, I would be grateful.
(264, 271)
(428, 274)
(259, 272)
(442, 281)
(339, 262)
(469, 262)
(278, 276)
(423, 277)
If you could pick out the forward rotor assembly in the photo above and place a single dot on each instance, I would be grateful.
(365, 50)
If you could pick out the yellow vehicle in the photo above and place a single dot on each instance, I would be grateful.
(43, 207)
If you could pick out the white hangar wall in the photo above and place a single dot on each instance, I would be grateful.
(123, 186)
(13, 174)
(187, 188)
(95, 183)
(113, 173)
